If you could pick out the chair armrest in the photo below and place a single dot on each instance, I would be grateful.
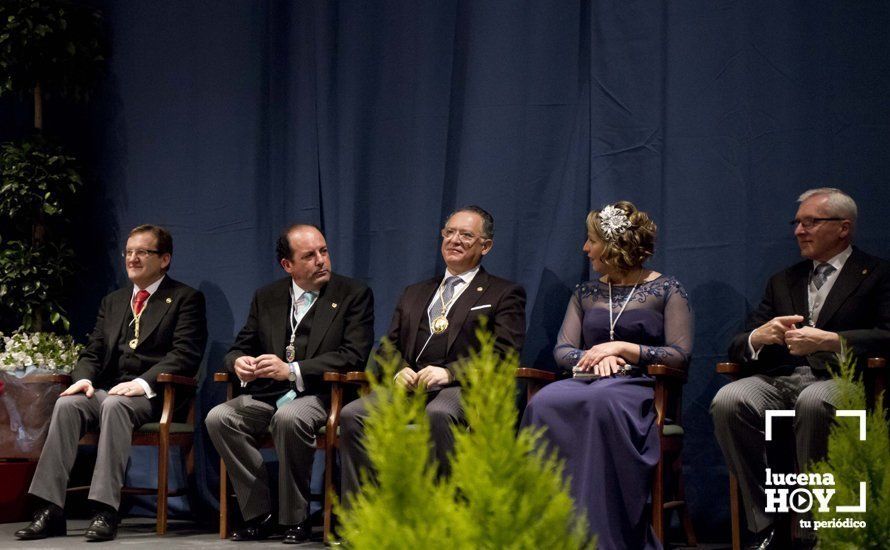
(357, 377)
(732, 369)
(658, 370)
(526, 373)
(47, 379)
(877, 363)
(175, 379)
(220, 377)
(334, 377)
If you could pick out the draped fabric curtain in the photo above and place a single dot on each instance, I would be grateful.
(228, 120)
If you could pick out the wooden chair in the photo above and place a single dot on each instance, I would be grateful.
(160, 434)
(875, 380)
(327, 440)
(668, 491)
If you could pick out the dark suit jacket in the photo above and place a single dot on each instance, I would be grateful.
(341, 336)
(500, 300)
(173, 333)
(857, 308)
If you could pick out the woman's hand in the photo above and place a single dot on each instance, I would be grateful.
(598, 353)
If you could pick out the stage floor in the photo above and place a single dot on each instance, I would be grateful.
(140, 533)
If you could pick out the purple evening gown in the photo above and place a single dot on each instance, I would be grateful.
(605, 430)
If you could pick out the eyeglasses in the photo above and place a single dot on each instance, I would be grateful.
(809, 223)
(140, 253)
(466, 238)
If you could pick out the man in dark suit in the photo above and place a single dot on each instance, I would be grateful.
(433, 327)
(298, 328)
(837, 292)
(156, 326)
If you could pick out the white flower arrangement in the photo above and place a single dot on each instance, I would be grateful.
(41, 349)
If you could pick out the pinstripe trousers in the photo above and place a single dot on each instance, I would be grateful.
(738, 411)
(235, 427)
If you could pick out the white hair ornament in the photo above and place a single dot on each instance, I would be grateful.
(613, 222)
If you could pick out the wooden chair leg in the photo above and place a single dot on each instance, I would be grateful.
(223, 500)
(688, 529)
(658, 500)
(163, 488)
(328, 491)
(734, 512)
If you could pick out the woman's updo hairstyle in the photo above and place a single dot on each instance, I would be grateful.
(628, 235)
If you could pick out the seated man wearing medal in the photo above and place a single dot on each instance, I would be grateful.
(156, 326)
(837, 291)
(434, 325)
(311, 322)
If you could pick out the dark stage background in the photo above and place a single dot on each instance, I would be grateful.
(227, 120)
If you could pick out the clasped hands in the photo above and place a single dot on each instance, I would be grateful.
(603, 359)
(783, 331)
(427, 377)
(267, 365)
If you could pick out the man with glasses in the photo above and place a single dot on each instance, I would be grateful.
(433, 327)
(837, 292)
(311, 322)
(153, 327)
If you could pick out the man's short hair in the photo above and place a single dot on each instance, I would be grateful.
(840, 204)
(163, 238)
(487, 219)
(282, 245)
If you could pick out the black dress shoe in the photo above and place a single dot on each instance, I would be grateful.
(49, 521)
(764, 540)
(103, 527)
(298, 533)
(256, 529)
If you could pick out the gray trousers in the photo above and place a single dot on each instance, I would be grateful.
(739, 424)
(443, 410)
(235, 427)
(115, 416)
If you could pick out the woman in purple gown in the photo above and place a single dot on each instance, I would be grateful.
(602, 421)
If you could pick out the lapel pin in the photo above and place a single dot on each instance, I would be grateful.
(479, 289)
(864, 271)
(169, 300)
(334, 304)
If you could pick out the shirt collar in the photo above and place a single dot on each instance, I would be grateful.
(299, 291)
(466, 276)
(152, 288)
(838, 261)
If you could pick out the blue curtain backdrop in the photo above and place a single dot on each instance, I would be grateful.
(226, 120)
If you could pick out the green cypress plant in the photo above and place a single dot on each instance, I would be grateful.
(504, 490)
(850, 461)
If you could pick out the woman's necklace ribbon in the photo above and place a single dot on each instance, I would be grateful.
(630, 294)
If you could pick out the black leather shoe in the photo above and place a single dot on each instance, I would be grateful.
(256, 529)
(764, 540)
(103, 527)
(49, 521)
(298, 533)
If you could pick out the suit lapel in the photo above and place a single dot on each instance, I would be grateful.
(797, 286)
(461, 308)
(416, 311)
(117, 317)
(325, 309)
(276, 317)
(158, 305)
(855, 270)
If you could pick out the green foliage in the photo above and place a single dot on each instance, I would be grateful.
(38, 188)
(54, 42)
(41, 349)
(36, 179)
(850, 461)
(504, 491)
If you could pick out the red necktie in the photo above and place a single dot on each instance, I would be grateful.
(139, 301)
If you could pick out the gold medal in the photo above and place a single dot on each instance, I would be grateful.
(133, 343)
(440, 324)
